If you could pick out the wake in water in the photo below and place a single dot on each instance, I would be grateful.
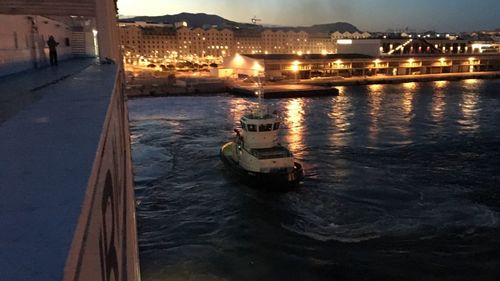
(394, 178)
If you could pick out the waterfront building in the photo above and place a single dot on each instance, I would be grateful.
(155, 43)
(209, 43)
(146, 43)
(348, 35)
(247, 41)
(274, 41)
(290, 66)
(416, 46)
(320, 43)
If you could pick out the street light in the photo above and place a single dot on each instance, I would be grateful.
(471, 64)
(295, 68)
(338, 63)
(411, 61)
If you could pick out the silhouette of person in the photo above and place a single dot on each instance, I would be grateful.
(52, 50)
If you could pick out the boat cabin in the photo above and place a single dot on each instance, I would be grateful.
(260, 132)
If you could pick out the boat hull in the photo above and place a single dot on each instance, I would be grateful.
(272, 181)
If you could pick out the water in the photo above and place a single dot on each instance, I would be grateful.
(402, 183)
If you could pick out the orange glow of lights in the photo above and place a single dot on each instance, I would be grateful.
(294, 120)
(238, 60)
(471, 81)
(410, 85)
(407, 104)
(375, 87)
(441, 84)
(375, 101)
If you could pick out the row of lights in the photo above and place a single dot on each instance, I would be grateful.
(296, 63)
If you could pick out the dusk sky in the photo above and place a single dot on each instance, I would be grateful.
(369, 15)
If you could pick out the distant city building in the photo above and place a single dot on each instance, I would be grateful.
(157, 40)
(146, 43)
(348, 35)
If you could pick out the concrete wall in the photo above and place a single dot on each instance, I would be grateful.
(23, 42)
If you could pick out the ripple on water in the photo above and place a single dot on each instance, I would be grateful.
(393, 170)
(353, 217)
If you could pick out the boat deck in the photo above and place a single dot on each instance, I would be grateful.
(51, 121)
(270, 153)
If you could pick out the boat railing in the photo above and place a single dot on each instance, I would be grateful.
(271, 153)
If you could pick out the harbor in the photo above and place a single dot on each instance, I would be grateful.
(277, 147)
(385, 79)
(393, 173)
(158, 87)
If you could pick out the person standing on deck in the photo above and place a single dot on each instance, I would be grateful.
(52, 50)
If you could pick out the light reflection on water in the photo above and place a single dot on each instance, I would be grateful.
(239, 107)
(438, 102)
(439, 85)
(341, 115)
(394, 173)
(294, 119)
(375, 102)
(470, 106)
(410, 86)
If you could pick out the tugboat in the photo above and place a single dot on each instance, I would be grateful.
(256, 155)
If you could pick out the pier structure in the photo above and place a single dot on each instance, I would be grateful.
(318, 66)
(68, 208)
(278, 91)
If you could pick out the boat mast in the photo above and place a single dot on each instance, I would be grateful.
(259, 96)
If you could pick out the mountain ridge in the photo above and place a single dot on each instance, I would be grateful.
(207, 20)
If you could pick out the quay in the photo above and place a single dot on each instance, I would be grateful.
(285, 89)
(275, 91)
(385, 79)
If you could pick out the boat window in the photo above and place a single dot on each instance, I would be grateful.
(243, 126)
(252, 128)
(276, 126)
(265, 127)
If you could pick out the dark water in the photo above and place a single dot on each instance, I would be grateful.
(403, 183)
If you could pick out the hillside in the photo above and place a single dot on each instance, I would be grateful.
(203, 20)
(193, 20)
